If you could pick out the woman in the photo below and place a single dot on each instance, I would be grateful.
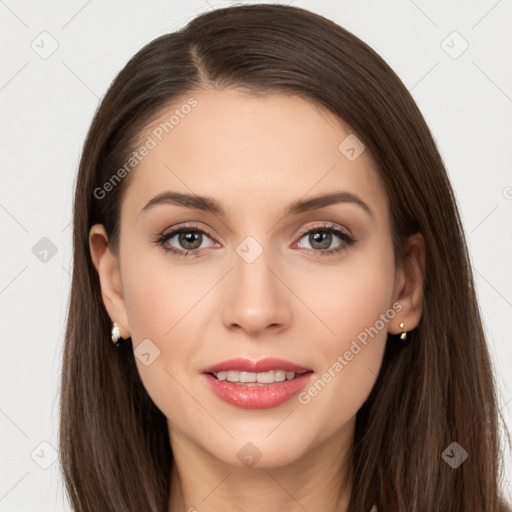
(272, 304)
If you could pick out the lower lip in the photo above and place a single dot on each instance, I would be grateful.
(261, 396)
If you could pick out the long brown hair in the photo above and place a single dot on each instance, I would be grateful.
(437, 389)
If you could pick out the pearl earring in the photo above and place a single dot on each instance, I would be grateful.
(115, 334)
(403, 336)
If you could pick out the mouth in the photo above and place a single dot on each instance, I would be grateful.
(243, 368)
(256, 395)
(254, 378)
(256, 384)
(249, 384)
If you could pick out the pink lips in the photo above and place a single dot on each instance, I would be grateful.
(260, 396)
(263, 365)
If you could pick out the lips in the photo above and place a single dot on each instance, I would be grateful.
(252, 395)
(257, 396)
(263, 365)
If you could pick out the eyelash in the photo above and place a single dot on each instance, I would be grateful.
(347, 239)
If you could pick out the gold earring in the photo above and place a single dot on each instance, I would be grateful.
(403, 336)
(115, 334)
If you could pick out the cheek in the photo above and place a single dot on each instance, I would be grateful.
(355, 294)
(159, 295)
(164, 305)
(362, 300)
(359, 319)
(159, 304)
(356, 305)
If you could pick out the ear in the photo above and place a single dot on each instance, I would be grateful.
(409, 283)
(107, 266)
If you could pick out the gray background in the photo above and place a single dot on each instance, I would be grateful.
(47, 103)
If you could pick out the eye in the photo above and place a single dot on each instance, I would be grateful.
(321, 238)
(188, 239)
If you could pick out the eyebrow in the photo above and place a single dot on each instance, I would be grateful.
(209, 204)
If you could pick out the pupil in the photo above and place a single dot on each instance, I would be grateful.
(323, 238)
(189, 237)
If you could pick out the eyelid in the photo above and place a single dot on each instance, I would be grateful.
(325, 224)
(300, 233)
(163, 237)
(193, 226)
(344, 234)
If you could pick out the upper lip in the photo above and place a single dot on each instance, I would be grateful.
(263, 365)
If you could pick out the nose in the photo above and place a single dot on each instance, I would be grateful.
(257, 297)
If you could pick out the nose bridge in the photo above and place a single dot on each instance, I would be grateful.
(257, 299)
(251, 264)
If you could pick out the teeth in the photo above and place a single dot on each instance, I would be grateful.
(280, 375)
(249, 377)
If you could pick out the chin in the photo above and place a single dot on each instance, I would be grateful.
(261, 451)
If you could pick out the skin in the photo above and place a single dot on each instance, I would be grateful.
(256, 155)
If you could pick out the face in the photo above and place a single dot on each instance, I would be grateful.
(315, 287)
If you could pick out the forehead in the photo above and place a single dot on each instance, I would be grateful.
(247, 149)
